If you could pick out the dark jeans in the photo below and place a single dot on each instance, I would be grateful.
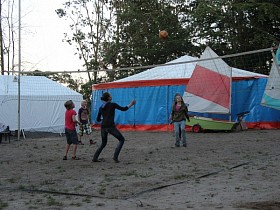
(104, 135)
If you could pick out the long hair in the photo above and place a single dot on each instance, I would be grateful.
(174, 100)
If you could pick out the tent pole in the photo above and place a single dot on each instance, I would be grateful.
(275, 59)
(230, 94)
(19, 63)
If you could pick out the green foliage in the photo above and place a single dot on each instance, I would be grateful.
(233, 26)
(3, 204)
(52, 202)
(88, 26)
(124, 33)
(137, 42)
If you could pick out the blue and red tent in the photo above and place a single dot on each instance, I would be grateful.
(154, 90)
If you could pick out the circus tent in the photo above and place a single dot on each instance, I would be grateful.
(154, 90)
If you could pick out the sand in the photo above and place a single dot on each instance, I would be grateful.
(221, 170)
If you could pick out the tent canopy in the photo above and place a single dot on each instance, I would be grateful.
(178, 71)
(41, 103)
(180, 68)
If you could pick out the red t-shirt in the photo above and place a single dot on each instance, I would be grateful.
(69, 124)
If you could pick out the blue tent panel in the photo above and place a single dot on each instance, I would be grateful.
(154, 103)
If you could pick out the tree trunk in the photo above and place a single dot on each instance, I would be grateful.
(1, 42)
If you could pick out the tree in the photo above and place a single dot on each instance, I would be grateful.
(88, 27)
(7, 40)
(118, 34)
(232, 26)
(1, 42)
(128, 35)
(136, 41)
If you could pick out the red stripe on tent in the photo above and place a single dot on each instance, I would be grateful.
(263, 125)
(147, 83)
(140, 83)
(210, 85)
(167, 127)
(247, 78)
(164, 127)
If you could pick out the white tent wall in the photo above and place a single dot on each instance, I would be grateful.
(41, 103)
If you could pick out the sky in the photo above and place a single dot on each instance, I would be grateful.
(41, 38)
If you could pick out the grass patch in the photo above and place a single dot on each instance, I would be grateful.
(76, 204)
(100, 204)
(47, 182)
(87, 200)
(52, 202)
(12, 180)
(3, 204)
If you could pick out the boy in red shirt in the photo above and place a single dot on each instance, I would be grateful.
(70, 129)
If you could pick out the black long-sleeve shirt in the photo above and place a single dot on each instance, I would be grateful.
(107, 111)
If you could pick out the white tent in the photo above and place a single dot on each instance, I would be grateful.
(41, 103)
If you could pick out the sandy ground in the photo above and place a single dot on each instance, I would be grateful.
(236, 170)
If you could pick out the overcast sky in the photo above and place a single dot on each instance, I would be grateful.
(42, 34)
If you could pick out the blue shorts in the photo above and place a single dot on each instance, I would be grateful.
(71, 136)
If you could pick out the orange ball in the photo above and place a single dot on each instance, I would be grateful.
(163, 34)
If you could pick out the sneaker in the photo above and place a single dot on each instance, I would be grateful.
(64, 158)
(76, 158)
(184, 145)
(96, 160)
(116, 160)
(81, 143)
(92, 142)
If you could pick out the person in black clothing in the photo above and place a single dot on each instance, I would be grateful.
(107, 112)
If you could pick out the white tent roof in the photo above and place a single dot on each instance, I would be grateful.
(32, 85)
(41, 103)
(183, 68)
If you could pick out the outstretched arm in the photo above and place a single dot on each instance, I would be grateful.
(131, 103)
(124, 108)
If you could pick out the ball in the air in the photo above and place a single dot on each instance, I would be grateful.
(163, 34)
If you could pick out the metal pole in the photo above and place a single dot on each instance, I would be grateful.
(230, 94)
(19, 63)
